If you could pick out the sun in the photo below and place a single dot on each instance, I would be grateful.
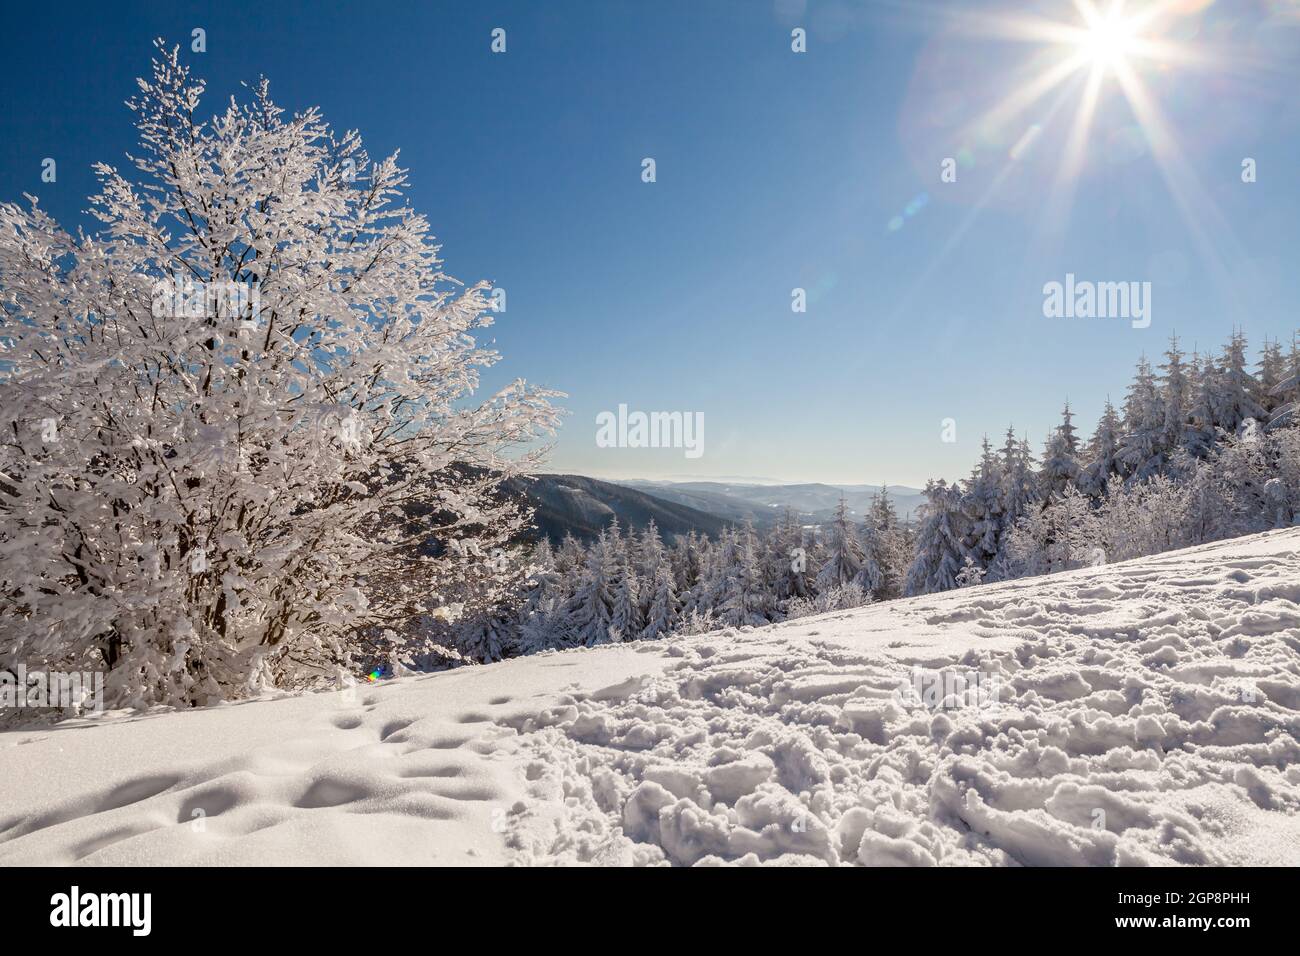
(1084, 89)
(1108, 40)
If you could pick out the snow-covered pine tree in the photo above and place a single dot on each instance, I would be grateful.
(1144, 425)
(222, 402)
(1203, 506)
(1234, 397)
(569, 557)
(882, 515)
(1060, 469)
(844, 557)
(1177, 399)
(703, 595)
(650, 555)
(686, 561)
(547, 590)
(740, 597)
(1103, 452)
(586, 617)
(1271, 372)
(625, 615)
(1200, 434)
(714, 560)
(940, 553)
(614, 541)
(884, 545)
(1019, 482)
(816, 546)
(1069, 434)
(787, 561)
(663, 616)
(871, 575)
(626, 620)
(1287, 391)
(1019, 496)
(982, 504)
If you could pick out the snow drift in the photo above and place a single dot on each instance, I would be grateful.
(1140, 713)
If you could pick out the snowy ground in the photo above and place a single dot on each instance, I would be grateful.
(1144, 712)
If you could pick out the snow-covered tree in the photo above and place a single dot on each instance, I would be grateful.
(844, 559)
(1019, 484)
(1176, 398)
(882, 515)
(586, 617)
(890, 547)
(1103, 454)
(221, 404)
(1287, 391)
(1060, 469)
(982, 504)
(625, 615)
(1236, 388)
(663, 615)
(650, 556)
(1270, 373)
(940, 552)
(685, 558)
(1200, 434)
(1141, 447)
(739, 593)
(550, 581)
(788, 570)
(1063, 535)
(1142, 518)
(871, 574)
(488, 624)
(843, 598)
(569, 557)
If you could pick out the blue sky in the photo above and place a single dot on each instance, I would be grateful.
(775, 170)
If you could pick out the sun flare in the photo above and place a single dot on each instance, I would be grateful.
(1109, 40)
(1087, 98)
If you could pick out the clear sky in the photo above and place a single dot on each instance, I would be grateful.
(775, 170)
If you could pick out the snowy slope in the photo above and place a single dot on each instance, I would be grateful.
(1144, 712)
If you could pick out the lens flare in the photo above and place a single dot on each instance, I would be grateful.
(1109, 40)
(1052, 116)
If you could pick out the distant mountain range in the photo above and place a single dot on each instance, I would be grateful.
(582, 506)
(813, 503)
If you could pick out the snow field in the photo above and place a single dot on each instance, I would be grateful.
(1145, 713)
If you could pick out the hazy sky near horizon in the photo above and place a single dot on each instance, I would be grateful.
(775, 170)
